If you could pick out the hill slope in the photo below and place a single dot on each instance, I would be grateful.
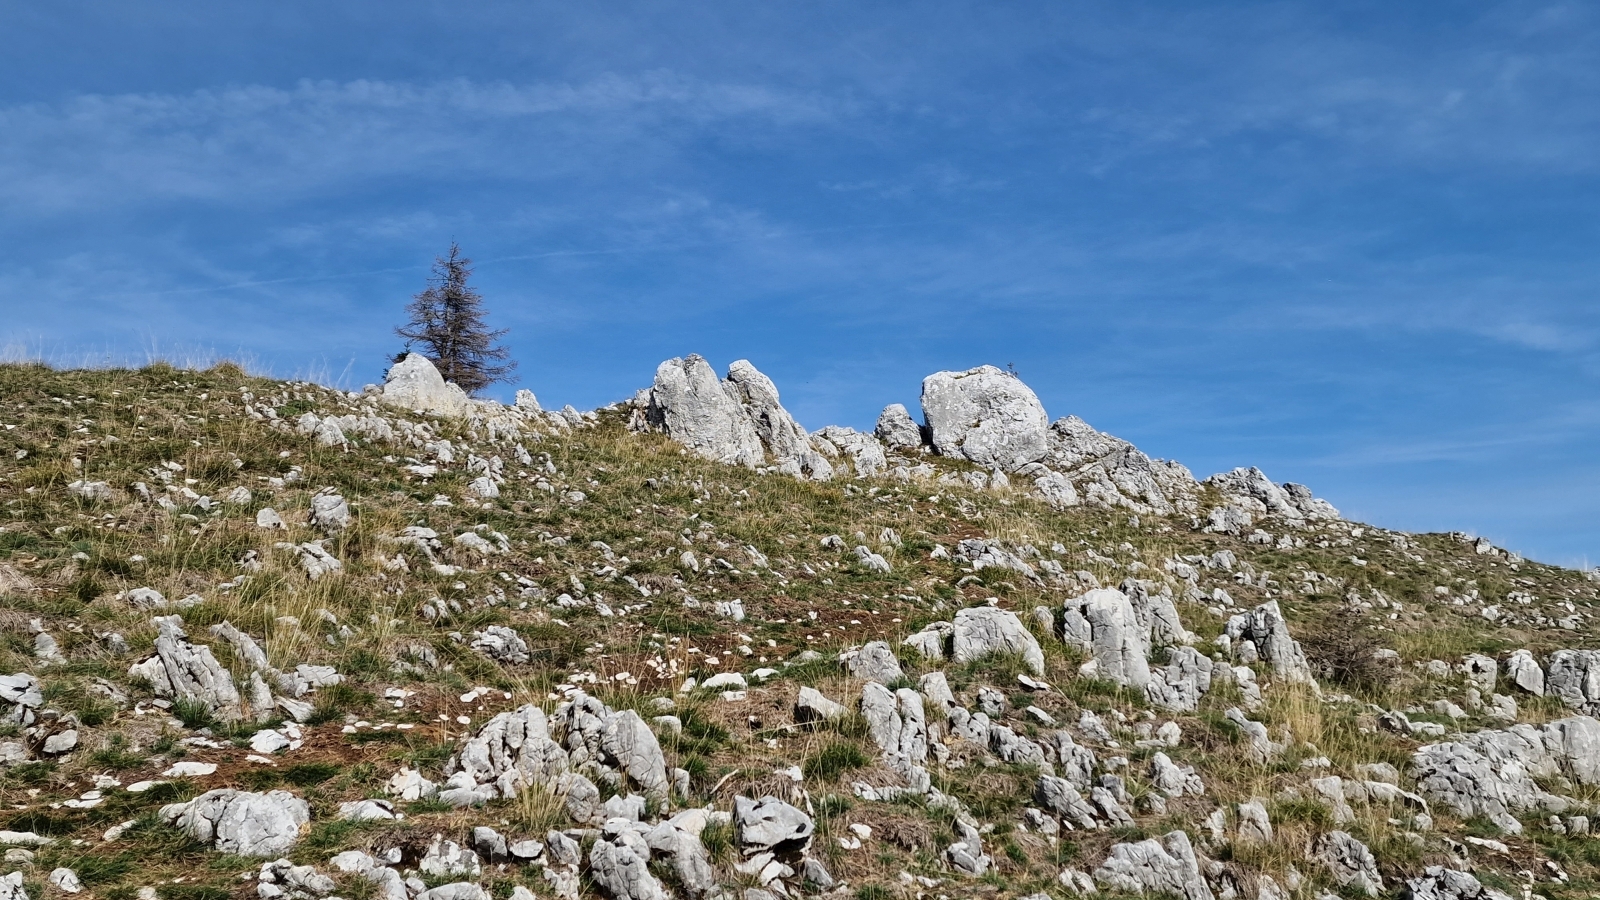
(577, 634)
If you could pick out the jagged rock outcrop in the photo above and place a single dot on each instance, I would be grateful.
(511, 750)
(1110, 471)
(865, 454)
(1439, 883)
(1250, 489)
(1493, 773)
(240, 822)
(1263, 633)
(1165, 866)
(414, 383)
(985, 415)
(779, 432)
(1102, 622)
(693, 407)
(184, 671)
(981, 631)
(1573, 677)
(897, 430)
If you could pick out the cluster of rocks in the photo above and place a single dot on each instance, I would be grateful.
(985, 416)
(184, 671)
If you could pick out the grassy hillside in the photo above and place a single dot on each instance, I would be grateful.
(609, 519)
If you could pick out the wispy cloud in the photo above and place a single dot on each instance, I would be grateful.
(254, 142)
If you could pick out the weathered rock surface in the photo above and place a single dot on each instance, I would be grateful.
(1574, 677)
(1525, 672)
(1265, 633)
(982, 631)
(874, 662)
(242, 823)
(1103, 623)
(184, 671)
(897, 430)
(693, 407)
(1348, 862)
(770, 825)
(985, 415)
(414, 383)
(1439, 883)
(1492, 773)
(1165, 866)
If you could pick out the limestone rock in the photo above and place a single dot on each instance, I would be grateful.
(1574, 677)
(11, 887)
(448, 858)
(1167, 866)
(1253, 490)
(873, 662)
(812, 707)
(897, 430)
(697, 410)
(1525, 672)
(184, 671)
(241, 822)
(981, 631)
(778, 430)
(1179, 685)
(1267, 633)
(414, 383)
(1492, 773)
(1111, 472)
(985, 415)
(1103, 623)
(502, 644)
(330, 512)
(688, 857)
(863, 450)
(1349, 862)
(511, 750)
(1439, 883)
(1254, 826)
(770, 825)
(896, 721)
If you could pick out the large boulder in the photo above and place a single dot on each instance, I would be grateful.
(1103, 623)
(1495, 773)
(1266, 633)
(414, 383)
(242, 823)
(1574, 678)
(985, 415)
(693, 407)
(1165, 866)
(770, 825)
(985, 630)
(1439, 883)
(897, 429)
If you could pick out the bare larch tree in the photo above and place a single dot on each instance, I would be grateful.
(448, 328)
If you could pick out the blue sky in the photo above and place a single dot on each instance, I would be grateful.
(1353, 244)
